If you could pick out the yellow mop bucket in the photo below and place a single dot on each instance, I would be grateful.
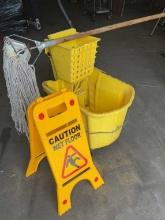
(104, 112)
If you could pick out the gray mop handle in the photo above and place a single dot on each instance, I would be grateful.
(100, 30)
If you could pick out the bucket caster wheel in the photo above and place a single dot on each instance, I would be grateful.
(108, 17)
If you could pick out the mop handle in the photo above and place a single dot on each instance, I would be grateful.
(100, 30)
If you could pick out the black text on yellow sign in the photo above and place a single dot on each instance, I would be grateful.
(66, 137)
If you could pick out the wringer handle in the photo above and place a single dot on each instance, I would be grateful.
(100, 30)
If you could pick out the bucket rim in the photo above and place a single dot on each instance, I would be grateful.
(126, 106)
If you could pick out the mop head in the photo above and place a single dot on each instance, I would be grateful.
(20, 81)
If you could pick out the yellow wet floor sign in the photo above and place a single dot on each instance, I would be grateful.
(56, 131)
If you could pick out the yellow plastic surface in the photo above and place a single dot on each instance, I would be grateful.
(80, 88)
(74, 60)
(105, 110)
(37, 152)
(57, 122)
(109, 100)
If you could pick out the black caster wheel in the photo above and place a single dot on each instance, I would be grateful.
(109, 17)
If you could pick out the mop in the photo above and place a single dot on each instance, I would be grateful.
(19, 70)
(20, 81)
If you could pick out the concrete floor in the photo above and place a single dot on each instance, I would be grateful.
(132, 168)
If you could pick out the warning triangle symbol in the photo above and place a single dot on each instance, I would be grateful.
(73, 162)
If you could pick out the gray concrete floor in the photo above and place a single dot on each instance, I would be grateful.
(132, 168)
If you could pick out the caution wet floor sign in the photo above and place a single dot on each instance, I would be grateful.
(57, 132)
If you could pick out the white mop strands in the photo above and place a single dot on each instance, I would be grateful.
(20, 81)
